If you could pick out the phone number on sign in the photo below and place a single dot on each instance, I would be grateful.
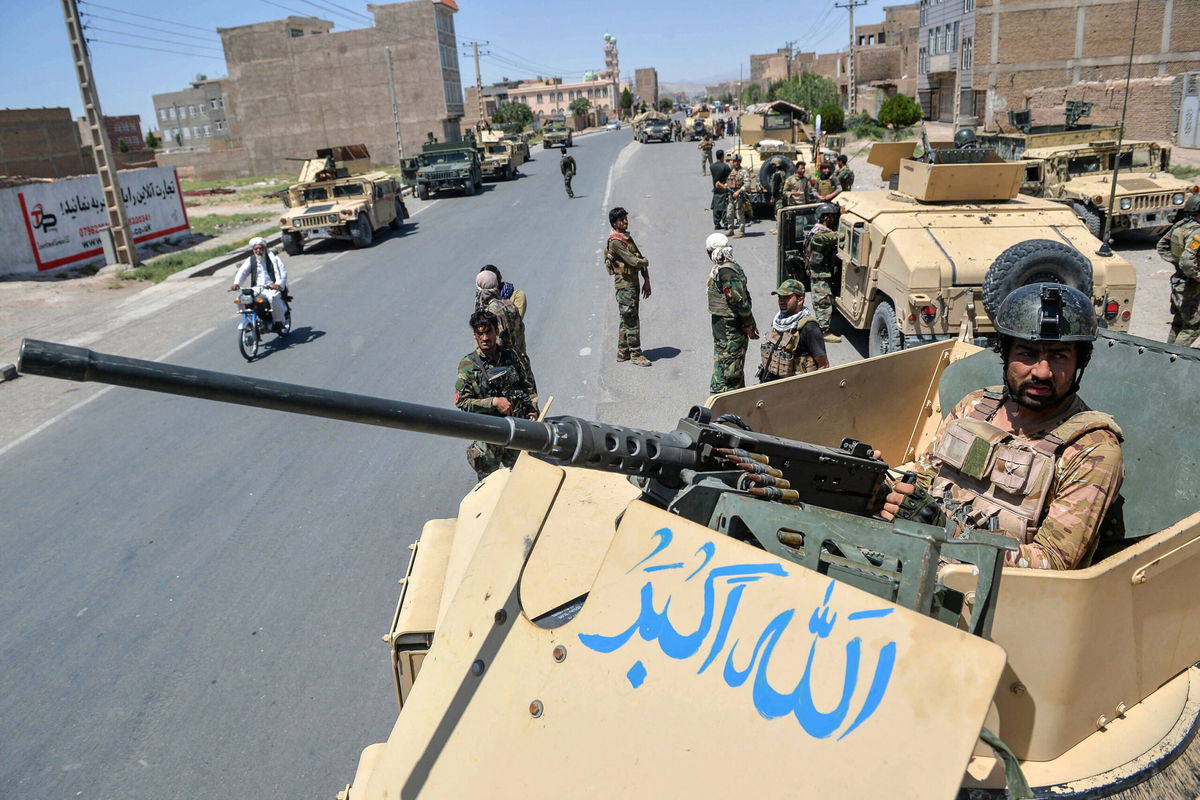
(92, 230)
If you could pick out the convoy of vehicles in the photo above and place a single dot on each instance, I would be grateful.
(499, 160)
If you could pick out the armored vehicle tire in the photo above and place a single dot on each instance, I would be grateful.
(764, 171)
(423, 192)
(885, 335)
(1035, 261)
(545, 145)
(362, 233)
(1090, 217)
(397, 220)
(293, 244)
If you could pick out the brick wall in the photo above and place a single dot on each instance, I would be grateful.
(1153, 105)
(40, 143)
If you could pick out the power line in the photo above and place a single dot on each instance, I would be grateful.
(211, 38)
(286, 8)
(143, 16)
(156, 49)
(142, 36)
(329, 9)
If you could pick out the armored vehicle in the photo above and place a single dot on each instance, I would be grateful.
(655, 130)
(916, 263)
(557, 134)
(702, 631)
(336, 198)
(696, 125)
(448, 165)
(517, 142)
(498, 160)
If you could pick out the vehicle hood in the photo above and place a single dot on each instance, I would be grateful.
(1127, 183)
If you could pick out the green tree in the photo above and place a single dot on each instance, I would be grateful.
(122, 146)
(580, 106)
(727, 99)
(832, 118)
(665, 104)
(513, 112)
(752, 94)
(626, 100)
(807, 90)
(152, 141)
(899, 111)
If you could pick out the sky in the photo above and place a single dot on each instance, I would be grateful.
(145, 47)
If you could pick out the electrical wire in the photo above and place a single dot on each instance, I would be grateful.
(161, 41)
(156, 49)
(286, 8)
(143, 16)
(211, 38)
(332, 8)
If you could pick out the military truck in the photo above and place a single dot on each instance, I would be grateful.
(518, 142)
(448, 165)
(655, 130)
(557, 133)
(691, 634)
(337, 198)
(498, 160)
(697, 124)
(916, 264)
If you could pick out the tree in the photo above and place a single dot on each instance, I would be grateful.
(152, 141)
(832, 118)
(665, 104)
(626, 100)
(512, 111)
(727, 99)
(899, 111)
(580, 106)
(752, 94)
(122, 146)
(807, 91)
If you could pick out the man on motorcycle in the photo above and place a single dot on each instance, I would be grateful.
(266, 270)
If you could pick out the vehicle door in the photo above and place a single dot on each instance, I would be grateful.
(793, 224)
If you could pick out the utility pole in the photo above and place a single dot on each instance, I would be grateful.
(395, 107)
(790, 47)
(478, 79)
(851, 87)
(118, 222)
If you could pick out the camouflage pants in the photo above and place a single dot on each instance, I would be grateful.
(487, 458)
(729, 355)
(629, 334)
(1185, 310)
(567, 183)
(822, 298)
(735, 216)
(719, 203)
(705, 160)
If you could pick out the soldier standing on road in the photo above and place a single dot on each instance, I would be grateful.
(510, 326)
(706, 153)
(735, 216)
(567, 165)
(1181, 247)
(827, 187)
(819, 256)
(492, 380)
(844, 175)
(732, 319)
(720, 195)
(798, 188)
(507, 290)
(794, 343)
(625, 263)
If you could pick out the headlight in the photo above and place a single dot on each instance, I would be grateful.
(1126, 203)
(1177, 199)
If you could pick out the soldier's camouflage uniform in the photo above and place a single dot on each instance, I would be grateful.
(778, 179)
(1049, 488)
(720, 197)
(706, 155)
(473, 393)
(729, 304)
(797, 190)
(626, 264)
(844, 178)
(735, 216)
(822, 250)
(511, 327)
(567, 165)
(1181, 247)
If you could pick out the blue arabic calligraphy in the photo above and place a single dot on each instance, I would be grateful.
(655, 626)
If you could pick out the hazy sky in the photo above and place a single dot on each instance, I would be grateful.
(145, 47)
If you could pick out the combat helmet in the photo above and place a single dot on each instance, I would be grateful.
(1048, 312)
(827, 209)
(964, 139)
(1191, 206)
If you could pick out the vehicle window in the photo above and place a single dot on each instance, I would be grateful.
(348, 190)
(496, 148)
(458, 157)
(777, 122)
(1033, 173)
(313, 195)
(1136, 158)
(1083, 165)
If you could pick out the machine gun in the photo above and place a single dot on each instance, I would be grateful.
(804, 502)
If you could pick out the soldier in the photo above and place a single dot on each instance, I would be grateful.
(798, 188)
(965, 139)
(794, 343)
(777, 179)
(510, 325)
(706, 153)
(625, 263)
(507, 291)
(844, 175)
(819, 256)
(827, 188)
(736, 184)
(1181, 247)
(1028, 459)
(567, 165)
(732, 320)
(720, 195)
(492, 380)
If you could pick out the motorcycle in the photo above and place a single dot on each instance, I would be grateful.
(255, 312)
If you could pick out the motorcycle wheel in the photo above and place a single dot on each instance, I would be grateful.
(248, 341)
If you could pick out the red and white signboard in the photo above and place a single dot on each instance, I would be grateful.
(63, 219)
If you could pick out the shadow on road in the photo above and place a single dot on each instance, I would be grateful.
(298, 336)
(661, 353)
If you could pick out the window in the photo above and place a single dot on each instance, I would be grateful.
(449, 57)
(191, 111)
(443, 19)
(921, 65)
(924, 14)
(172, 111)
(187, 133)
(882, 37)
(203, 110)
(207, 131)
(954, 37)
(220, 124)
(196, 131)
(213, 102)
(968, 6)
(296, 32)
(162, 113)
(968, 52)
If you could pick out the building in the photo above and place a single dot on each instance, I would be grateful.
(494, 96)
(645, 82)
(125, 133)
(946, 60)
(766, 68)
(548, 97)
(1048, 52)
(41, 143)
(194, 116)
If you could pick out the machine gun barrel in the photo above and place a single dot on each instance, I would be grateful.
(562, 440)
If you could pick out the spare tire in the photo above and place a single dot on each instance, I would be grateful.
(765, 170)
(1035, 261)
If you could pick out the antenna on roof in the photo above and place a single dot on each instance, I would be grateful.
(1105, 250)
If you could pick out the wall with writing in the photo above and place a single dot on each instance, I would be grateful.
(46, 226)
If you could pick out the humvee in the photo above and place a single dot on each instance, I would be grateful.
(498, 160)
(917, 263)
(448, 165)
(557, 134)
(772, 138)
(517, 142)
(336, 198)
(696, 125)
(686, 635)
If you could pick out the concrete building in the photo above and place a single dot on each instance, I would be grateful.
(494, 95)
(194, 116)
(645, 83)
(946, 60)
(766, 68)
(1046, 52)
(41, 143)
(548, 97)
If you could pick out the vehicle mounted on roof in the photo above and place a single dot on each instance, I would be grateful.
(448, 165)
(557, 133)
(915, 263)
(674, 624)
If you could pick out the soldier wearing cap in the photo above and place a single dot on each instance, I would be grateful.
(1027, 459)
(1180, 246)
(735, 217)
(794, 343)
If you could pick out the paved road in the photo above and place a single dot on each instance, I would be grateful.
(193, 593)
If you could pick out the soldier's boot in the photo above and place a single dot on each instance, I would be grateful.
(622, 356)
(830, 336)
(639, 360)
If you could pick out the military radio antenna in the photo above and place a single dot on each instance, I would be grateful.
(1105, 250)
